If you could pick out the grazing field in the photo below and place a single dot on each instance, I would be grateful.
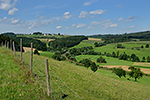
(89, 85)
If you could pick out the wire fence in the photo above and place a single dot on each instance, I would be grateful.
(58, 88)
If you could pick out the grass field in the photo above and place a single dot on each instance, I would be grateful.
(110, 60)
(102, 85)
(16, 81)
(110, 48)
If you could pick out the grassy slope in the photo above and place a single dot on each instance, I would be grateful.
(99, 85)
(89, 85)
(16, 82)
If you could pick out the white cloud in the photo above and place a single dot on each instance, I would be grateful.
(83, 14)
(131, 26)
(6, 4)
(73, 25)
(59, 27)
(81, 25)
(40, 17)
(12, 11)
(15, 21)
(99, 12)
(130, 18)
(89, 2)
(66, 15)
(103, 24)
(120, 19)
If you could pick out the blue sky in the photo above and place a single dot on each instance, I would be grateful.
(74, 17)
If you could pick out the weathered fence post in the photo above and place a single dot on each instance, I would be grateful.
(10, 44)
(14, 48)
(47, 76)
(21, 49)
(31, 60)
(7, 44)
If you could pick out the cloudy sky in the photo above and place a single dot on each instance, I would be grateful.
(74, 17)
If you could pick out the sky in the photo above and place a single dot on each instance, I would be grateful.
(74, 17)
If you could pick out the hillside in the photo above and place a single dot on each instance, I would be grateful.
(87, 84)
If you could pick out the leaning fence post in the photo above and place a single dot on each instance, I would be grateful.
(21, 49)
(31, 60)
(14, 48)
(47, 77)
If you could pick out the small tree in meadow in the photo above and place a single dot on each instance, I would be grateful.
(36, 52)
(119, 72)
(94, 67)
(135, 72)
(147, 46)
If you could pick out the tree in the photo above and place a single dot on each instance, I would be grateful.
(147, 46)
(94, 67)
(87, 62)
(114, 54)
(119, 71)
(143, 59)
(142, 46)
(58, 33)
(117, 54)
(101, 60)
(36, 52)
(148, 59)
(135, 72)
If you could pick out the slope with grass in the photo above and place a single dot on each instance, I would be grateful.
(16, 81)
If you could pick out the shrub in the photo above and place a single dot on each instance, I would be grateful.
(94, 67)
(36, 52)
(119, 72)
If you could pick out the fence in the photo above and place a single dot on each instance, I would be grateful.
(46, 77)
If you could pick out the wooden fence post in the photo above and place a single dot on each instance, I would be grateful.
(31, 60)
(14, 48)
(21, 49)
(7, 44)
(10, 44)
(47, 76)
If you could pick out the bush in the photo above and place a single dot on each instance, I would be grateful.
(36, 52)
(94, 67)
(101, 60)
(119, 72)
(86, 62)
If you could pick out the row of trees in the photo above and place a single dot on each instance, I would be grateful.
(67, 42)
(134, 73)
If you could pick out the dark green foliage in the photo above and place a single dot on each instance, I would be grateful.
(37, 44)
(135, 58)
(120, 46)
(36, 52)
(94, 67)
(147, 46)
(114, 54)
(123, 56)
(117, 54)
(66, 42)
(108, 54)
(135, 72)
(57, 56)
(86, 62)
(143, 59)
(148, 59)
(37, 33)
(119, 71)
(142, 46)
(101, 60)
(99, 44)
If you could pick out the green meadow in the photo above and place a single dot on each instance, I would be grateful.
(102, 84)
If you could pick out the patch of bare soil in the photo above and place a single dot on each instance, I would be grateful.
(26, 49)
(144, 70)
(94, 39)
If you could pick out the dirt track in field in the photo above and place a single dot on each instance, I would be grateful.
(144, 70)
(94, 39)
